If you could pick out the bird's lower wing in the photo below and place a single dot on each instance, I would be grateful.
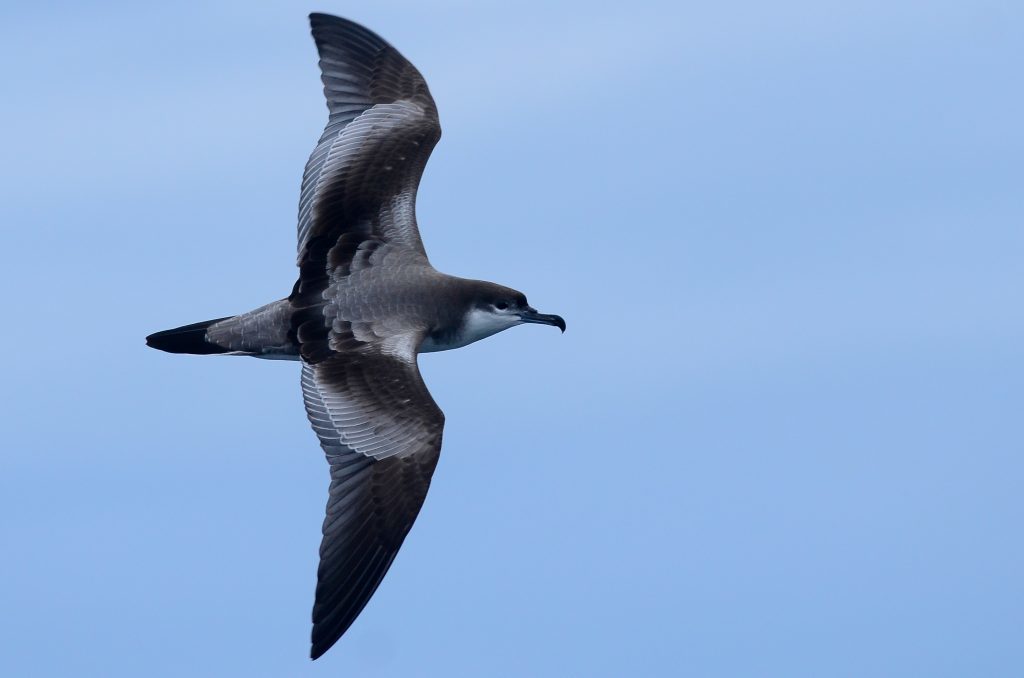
(381, 432)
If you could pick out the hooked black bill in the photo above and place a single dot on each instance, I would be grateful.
(532, 316)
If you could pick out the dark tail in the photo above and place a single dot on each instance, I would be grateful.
(187, 339)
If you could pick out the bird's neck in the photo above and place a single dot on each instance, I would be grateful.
(473, 324)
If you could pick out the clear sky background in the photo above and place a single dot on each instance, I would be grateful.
(783, 435)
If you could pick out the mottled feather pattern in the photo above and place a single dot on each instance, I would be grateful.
(257, 332)
(366, 302)
(380, 474)
(359, 188)
(376, 421)
(378, 404)
(360, 71)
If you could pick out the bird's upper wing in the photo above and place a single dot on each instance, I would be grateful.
(363, 174)
(381, 431)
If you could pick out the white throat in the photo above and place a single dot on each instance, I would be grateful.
(478, 324)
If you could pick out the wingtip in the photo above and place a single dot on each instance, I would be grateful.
(318, 650)
(317, 19)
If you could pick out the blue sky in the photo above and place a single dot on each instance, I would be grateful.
(781, 437)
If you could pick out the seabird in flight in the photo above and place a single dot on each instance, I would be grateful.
(366, 303)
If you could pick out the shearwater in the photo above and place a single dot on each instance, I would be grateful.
(366, 302)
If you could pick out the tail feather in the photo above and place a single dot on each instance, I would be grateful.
(187, 339)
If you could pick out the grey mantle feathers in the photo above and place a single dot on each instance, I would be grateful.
(366, 303)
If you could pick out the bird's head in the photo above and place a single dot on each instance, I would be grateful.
(495, 308)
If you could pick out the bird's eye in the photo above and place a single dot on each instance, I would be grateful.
(501, 305)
